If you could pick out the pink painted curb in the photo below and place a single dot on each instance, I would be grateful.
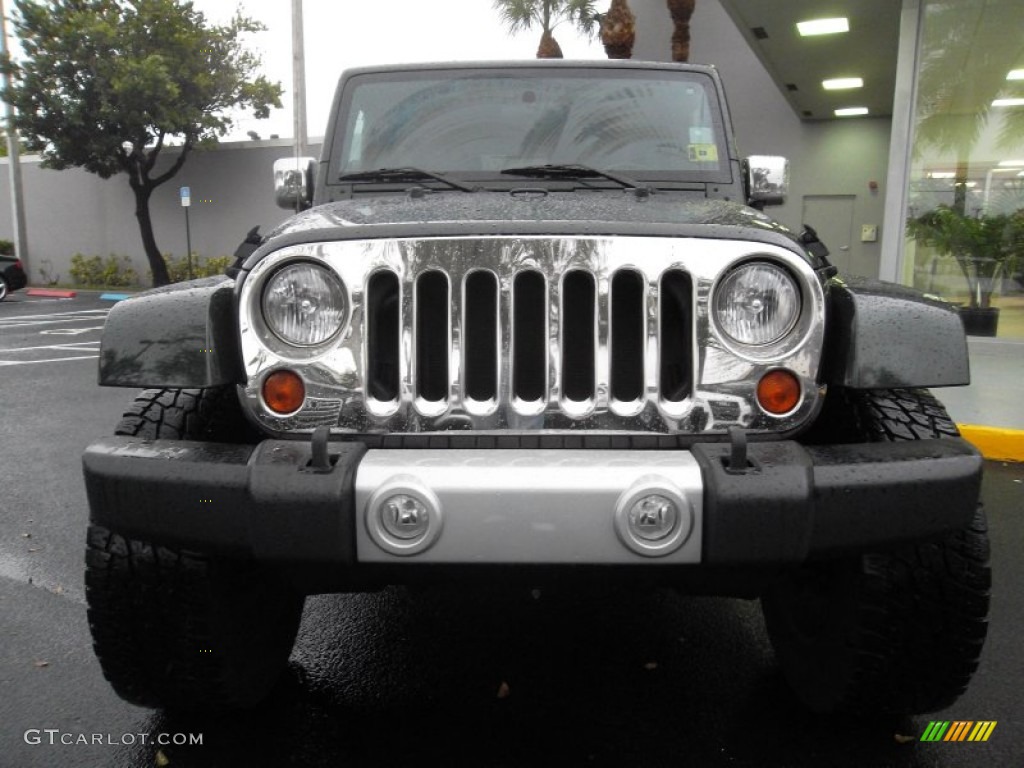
(51, 293)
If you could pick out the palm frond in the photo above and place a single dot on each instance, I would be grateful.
(522, 15)
(518, 15)
(959, 78)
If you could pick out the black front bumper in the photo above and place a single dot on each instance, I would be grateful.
(269, 502)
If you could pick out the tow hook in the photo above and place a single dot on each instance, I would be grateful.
(739, 463)
(320, 463)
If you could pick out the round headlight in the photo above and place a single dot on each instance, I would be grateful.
(304, 304)
(757, 303)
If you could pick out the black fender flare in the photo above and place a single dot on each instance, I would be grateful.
(883, 336)
(180, 336)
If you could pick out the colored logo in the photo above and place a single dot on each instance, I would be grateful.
(958, 730)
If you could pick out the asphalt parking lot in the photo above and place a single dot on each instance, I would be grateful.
(558, 676)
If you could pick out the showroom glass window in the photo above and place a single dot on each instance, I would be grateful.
(965, 228)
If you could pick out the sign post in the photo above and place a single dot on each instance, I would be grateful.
(186, 202)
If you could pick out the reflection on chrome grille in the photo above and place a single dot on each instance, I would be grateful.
(551, 338)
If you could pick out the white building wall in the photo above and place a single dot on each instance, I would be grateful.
(73, 211)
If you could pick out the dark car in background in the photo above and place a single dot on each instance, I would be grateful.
(12, 275)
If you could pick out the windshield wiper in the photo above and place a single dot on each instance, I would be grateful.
(407, 173)
(571, 171)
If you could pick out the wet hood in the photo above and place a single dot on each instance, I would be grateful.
(533, 212)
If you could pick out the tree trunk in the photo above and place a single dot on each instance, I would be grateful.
(138, 163)
(681, 11)
(960, 186)
(156, 260)
(549, 47)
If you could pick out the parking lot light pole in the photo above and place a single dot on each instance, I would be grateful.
(13, 158)
(298, 81)
(186, 203)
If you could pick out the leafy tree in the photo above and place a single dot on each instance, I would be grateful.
(104, 84)
(520, 15)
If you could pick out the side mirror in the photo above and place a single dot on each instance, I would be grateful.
(767, 180)
(293, 182)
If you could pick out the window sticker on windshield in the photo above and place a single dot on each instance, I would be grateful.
(702, 134)
(703, 153)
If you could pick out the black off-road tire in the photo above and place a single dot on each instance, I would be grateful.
(188, 414)
(178, 629)
(898, 631)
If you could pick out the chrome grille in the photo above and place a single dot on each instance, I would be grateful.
(490, 335)
(552, 329)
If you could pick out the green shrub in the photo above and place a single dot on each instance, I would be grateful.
(119, 272)
(6, 248)
(215, 265)
(211, 266)
(114, 271)
(86, 270)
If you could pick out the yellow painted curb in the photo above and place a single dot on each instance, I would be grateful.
(995, 442)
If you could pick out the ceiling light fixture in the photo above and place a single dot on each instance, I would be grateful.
(842, 83)
(1008, 103)
(851, 112)
(823, 27)
(941, 175)
(1011, 163)
(1015, 74)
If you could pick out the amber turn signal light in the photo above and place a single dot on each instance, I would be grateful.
(283, 391)
(778, 392)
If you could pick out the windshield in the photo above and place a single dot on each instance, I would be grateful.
(648, 123)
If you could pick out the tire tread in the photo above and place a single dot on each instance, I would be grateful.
(909, 623)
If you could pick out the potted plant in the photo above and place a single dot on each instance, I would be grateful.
(985, 248)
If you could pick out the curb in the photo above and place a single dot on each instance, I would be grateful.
(51, 293)
(995, 443)
(114, 296)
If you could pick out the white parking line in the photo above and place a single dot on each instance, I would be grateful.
(76, 350)
(74, 346)
(28, 321)
(69, 331)
(51, 360)
(47, 315)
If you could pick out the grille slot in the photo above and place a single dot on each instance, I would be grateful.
(579, 345)
(433, 337)
(480, 340)
(628, 335)
(382, 336)
(529, 336)
(674, 333)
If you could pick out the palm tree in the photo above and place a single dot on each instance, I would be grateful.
(520, 15)
(986, 248)
(967, 52)
(681, 11)
(618, 30)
